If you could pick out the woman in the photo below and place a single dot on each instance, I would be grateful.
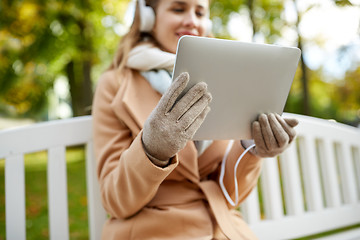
(155, 182)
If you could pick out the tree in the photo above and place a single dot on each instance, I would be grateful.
(45, 39)
(347, 97)
(304, 70)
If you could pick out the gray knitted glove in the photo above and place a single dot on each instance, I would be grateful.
(170, 125)
(272, 135)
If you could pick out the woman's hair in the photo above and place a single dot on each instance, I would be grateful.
(132, 38)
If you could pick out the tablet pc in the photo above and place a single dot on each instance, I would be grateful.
(245, 79)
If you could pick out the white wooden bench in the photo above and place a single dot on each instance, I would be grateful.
(313, 187)
(320, 179)
(54, 137)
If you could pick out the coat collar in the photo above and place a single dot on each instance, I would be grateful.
(139, 98)
(134, 102)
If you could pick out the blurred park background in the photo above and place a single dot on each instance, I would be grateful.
(53, 51)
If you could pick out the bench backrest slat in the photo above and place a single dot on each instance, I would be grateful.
(343, 152)
(57, 193)
(96, 213)
(294, 201)
(271, 189)
(329, 173)
(356, 154)
(15, 197)
(310, 170)
(251, 208)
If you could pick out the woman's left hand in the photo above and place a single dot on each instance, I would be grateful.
(272, 135)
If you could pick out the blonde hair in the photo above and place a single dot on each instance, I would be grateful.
(133, 38)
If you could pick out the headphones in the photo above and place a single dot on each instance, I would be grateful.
(147, 18)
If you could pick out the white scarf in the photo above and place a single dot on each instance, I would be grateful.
(146, 57)
(157, 66)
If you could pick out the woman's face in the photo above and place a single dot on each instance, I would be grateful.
(175, 18)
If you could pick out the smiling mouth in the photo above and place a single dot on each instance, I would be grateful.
(185, 33)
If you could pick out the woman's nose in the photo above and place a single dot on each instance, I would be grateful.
(190, 20)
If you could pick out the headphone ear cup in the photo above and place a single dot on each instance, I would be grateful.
(147, 17)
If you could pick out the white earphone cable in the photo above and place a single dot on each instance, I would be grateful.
(222, 173)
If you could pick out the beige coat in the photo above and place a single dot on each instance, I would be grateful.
(181, 201)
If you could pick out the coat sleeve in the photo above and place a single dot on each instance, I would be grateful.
(248, 171)
(128, 179)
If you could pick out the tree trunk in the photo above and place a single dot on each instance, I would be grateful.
(305, 81)
(70, 72)
(250, 6)
(87, 94)
(78, 74)
(304, 76)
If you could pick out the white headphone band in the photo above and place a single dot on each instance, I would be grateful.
(147, 18)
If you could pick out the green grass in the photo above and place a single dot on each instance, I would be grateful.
(36, 195)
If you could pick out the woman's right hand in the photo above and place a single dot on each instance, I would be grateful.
(170, 125)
